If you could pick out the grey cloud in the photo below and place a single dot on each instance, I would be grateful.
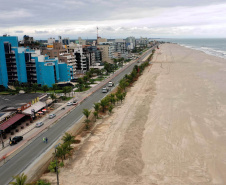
(41, 32)
(57, 11)
(19, 31)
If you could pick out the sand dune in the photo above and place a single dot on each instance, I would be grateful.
(171, 128)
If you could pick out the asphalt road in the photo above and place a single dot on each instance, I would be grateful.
(26, 156)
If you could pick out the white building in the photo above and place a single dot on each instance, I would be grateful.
(51, 41)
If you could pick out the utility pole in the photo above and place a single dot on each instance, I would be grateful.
(2, 139)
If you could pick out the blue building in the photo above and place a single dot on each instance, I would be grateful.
(26, 66)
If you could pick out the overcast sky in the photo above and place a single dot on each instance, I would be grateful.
(115, 18)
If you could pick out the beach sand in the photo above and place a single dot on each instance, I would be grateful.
(171, 128)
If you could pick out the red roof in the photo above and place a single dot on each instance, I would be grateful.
(11, 121)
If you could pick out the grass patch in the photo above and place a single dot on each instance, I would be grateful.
(84, 89)
(65, 98)
(51, 91)
(99, 79)
(5, 93)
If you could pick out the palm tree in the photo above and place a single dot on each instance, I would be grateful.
(95, 113)
(60, 153)
(52, 166)
(68, 138)
(20, 179)
(110, 108)
(86, 112)
(42, 182)
(97, 106)
(123, 84)
(104, 104)
(112, 98)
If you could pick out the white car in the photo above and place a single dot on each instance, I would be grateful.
(52, 116)
(39, 124)
(110, 84)
(69, 103)
(105, 90)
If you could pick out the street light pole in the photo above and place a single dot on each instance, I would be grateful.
(57, 164)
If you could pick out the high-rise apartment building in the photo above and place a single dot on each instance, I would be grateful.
(27, 66)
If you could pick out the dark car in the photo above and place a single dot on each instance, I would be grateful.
(15, 140)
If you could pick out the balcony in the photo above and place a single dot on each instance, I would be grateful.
(30, 64)
(12, 71)
(12, 75)
(12, 79)
(10, 61)
(9, 67)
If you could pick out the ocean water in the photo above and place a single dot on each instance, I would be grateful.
(216, 47)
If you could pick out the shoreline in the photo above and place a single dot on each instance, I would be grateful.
(218, 50)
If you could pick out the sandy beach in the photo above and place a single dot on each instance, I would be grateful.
(170, 130)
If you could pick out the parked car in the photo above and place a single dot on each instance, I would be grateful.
(39, 124)
(52, 116)
(15, 140)
(75, 102)
(105, 90)
(69, 103)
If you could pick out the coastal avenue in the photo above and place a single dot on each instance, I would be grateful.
(26, 156)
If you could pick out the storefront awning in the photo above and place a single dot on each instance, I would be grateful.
(11, 121)
(37, 106)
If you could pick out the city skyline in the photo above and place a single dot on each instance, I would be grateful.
(115, 19)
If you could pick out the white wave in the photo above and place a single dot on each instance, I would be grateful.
(207, 50)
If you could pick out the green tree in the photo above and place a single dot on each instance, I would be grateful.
(42, 182)
(45, 88)
(60, 152)
(20, 179)
(95, 113)
(97, 106)
(35, 87)
(80, 84)
(53, 96)
(18, 89)
(52, 166)
(104, 104)
(110, 108)
(86, 113)
(68, 138)
(27, 89)
(107, 67)
(54, 87)
(66, 90)
(123, 84)
(112, 98)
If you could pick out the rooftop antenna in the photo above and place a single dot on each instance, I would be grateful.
(97, 33)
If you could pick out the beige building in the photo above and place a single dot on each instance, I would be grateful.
(99, 39)
(107, 53)
(69, 58)
(55, 51)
